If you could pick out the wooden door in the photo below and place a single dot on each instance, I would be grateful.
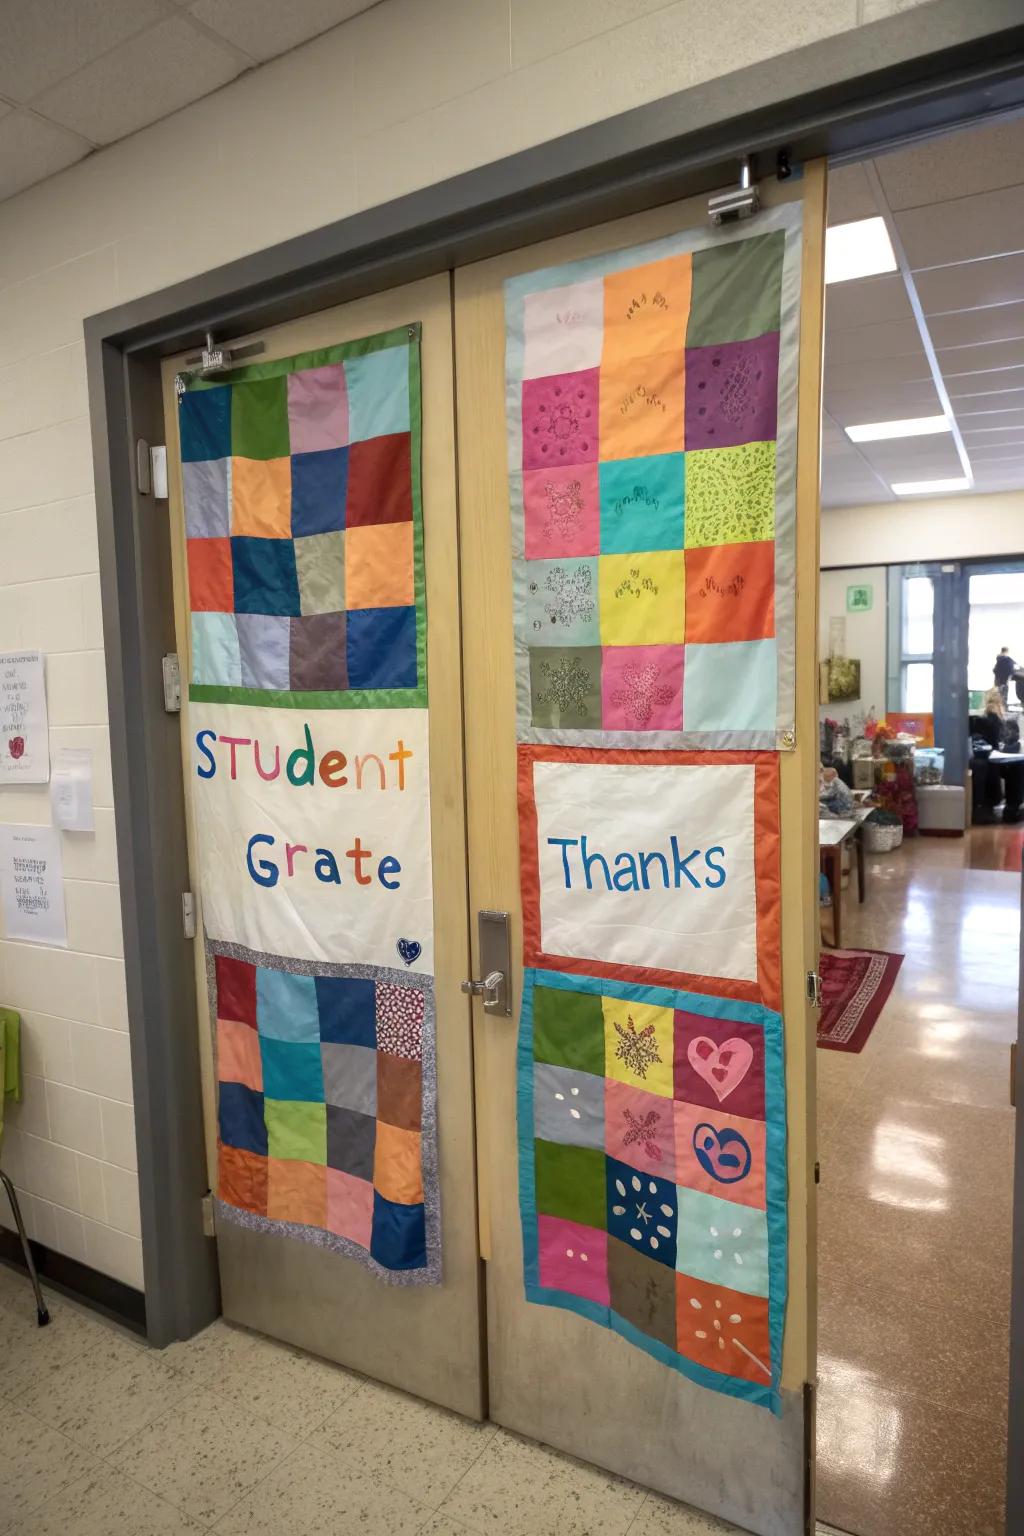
(426, 1338)
(552, 1375)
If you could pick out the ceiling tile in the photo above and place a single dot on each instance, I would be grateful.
(880, 402)
(970, 283)
(44, 40)
(875, 343)
(959, 164)
(877, 299)
(988, 357)
(987, 224)
(911, 368)
(995, 322)
(141, 81)
(31, 149)
(849, 195)
(265, 28)
(999, 419)
(971, 385)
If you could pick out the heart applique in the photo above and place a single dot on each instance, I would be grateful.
(409, 950)
(724, 1154)
(723, 1067)
(16, 746)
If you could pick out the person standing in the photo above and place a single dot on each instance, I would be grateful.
(1003, 670)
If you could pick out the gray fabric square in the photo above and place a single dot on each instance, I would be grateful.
(568, 1106)
(351, 1140)
(264, 644)
(350, 1077)
(206, 486)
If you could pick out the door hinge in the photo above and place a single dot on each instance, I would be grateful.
(172, 683)
(188, 914)
(1013, 1075)
(209, 1222)
(814, 989)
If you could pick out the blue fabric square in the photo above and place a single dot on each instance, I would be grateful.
(264, 643)
(723, 1243)
(216, 658)
(266, 580)
(642, 503)
(240, 1114)
(381, 647)
(291, 1071)
(286, 1009)
(204, 424)
(378, 393)
(206, 487)
(348, 1010)
(319, 487)
(642, 1211)
(730, 687)
(398, 1238)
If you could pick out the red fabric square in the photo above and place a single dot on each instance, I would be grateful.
(379, 481)
(211, 587)
(236, 990)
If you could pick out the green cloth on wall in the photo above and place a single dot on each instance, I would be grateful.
(10, 1060)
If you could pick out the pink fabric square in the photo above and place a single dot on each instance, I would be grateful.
(573, 1258)
(238, 1055)
(318, 409)
(642, 688)
(639, 1130)
(562, 511)
(560, 422)
(349, 1206)
(720, 1154)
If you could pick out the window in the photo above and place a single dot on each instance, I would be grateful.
(917, 687)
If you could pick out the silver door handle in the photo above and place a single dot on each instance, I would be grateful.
(489, 989)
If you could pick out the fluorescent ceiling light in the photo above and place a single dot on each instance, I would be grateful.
(860, 249)
(912, 426)
(931, 487)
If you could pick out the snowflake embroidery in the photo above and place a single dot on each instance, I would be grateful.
(563, 422)
(569, 592)
(565, 506)
(641, 692)
(566, 683)
(643, 1129)
(399, 1021)
(737, 388)
(639, 1050)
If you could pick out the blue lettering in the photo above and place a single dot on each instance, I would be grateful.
(329, 873)
(625, 877)
(717, 869)
(682, 865)
(564, 843)
(590, 859)
(389, 866)
(262, 871)
(206, 773)
(647, 859)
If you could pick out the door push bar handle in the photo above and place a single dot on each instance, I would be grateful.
(488, 989)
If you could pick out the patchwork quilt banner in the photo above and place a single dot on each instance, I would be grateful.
(652, 1172)
(311, 789)
(651, 407)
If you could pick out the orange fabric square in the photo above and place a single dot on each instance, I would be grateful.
(643, 405)
(242, 1179)
(378, 566)
(730, 592)
(397, 1167)
(238, 1055)
(646, 310)
(211, 586)
(725, 1330)
(261, 498)
(297, 1192)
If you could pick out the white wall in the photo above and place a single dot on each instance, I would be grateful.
(865, 635)
(406, 94)
(958, 528)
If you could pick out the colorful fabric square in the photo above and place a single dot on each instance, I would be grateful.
(301, 483)
(652, 1169)
(326, 1080)
(652, 433)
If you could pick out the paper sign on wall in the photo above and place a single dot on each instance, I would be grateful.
(24, 742)
(32, 881)
(71, 790)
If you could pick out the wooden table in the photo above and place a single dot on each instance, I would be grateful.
(832, 834)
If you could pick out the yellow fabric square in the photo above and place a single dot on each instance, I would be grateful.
(261, 498)
(647, 309)
(639, 1044)
(643, 405)
(642, 598)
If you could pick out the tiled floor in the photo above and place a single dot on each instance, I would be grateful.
(915, 1203)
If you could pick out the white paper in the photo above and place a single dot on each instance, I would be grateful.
(837, 635)
(24, 740)
(677, 842)
(32, 885)
(71, 790)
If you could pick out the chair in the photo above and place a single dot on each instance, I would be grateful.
(10, 1087)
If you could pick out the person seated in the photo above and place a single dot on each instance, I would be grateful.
(993, 782)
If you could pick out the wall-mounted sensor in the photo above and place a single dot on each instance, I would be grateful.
(740, 202)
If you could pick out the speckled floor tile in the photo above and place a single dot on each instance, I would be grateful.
(35, 1463)
(414, 1445)
(106, 1395)
(26, 1350)
(106, 1503)
(204, 1454)
(203, 1360)
(444, 1525)
(663, 1517)
(293, 1390)
(313, 1494)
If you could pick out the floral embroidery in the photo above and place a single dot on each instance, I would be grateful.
(565, 507)
(730, 495)
(569, 596)
(567, 684)
(643, 1129)
(634, 585)
(641, 693)
(638, 1049)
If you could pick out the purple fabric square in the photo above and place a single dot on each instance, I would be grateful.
(732, 392)
(206, 486)
(560, 423)
(264, 644)
(318, 409)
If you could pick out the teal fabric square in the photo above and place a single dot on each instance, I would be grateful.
(561, 602)
(286, 1010)
(721, 1242)
(378, 393)
(642, 503)
(731, 687)
(292, 1071)
(216, 658)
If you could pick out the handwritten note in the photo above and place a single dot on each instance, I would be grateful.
(24, 743)
(32, 885)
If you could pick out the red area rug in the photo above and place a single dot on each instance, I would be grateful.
(855, 984)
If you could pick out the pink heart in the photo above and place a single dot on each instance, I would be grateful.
(721, 1066)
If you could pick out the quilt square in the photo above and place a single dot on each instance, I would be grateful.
(349, 1207)
(639, 1044)
(236, 990)
(297, 1191)
(318, 656)
(639, 1129)
(643, 598)
(292, 1072)
(238, 1055)
(642, 503)
(719, 1064)
(561, 604)
(378, 393)
(573, 1258)
(350, 1077)
(730, 593)
(563, 328)
(646, 309)
(380, 646)
(242, 1179)
(737, 290)
(259, 419)
(263, 643)
(318, 409)
(642, 1291)
(560, 419)
(347, 1010)
(568, 1106)
(319, 489)
(561, 511)
(351, 1138)
(216, 657)
(568, 1030)
(380, 481)
(320, 567)
(643, 406)
(286, 1006)
(204, 424)
(642, 1212)
(296, 1128)
(730, 495)
(732, 392)
(399, 1237)
(721, 1155)
(642, 688)
(730, 687)
(397, 1167)
(399, 1091)
(724, 1331)
(379, 566)
(210, 580)
(241, 1118)
(261, 498)
(265, 578)
(565, 686)
(399, 1020)
(723, 1243)
(206, 490)
(570, 1183)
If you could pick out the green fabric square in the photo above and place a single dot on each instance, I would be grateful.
(259, 419)
(730, 495)
(736, 290)
(320, 563)
(568, 1029)
(565, 687)
(295, 1130)
(570, 1183)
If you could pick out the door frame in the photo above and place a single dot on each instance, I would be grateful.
(951, 65)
